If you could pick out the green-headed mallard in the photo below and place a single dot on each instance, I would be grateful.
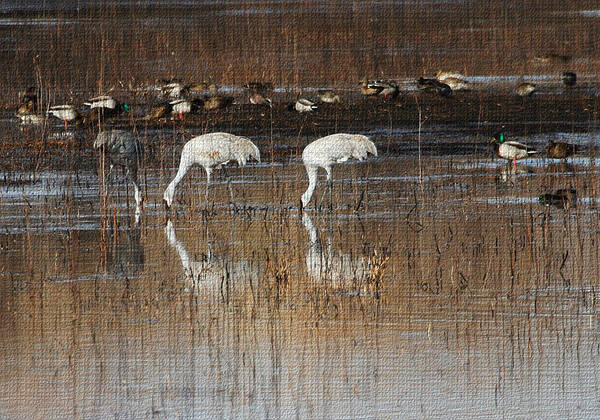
(563, 198)
(560, 150)
(102, 107)
(510, 150)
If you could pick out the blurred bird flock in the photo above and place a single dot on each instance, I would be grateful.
(445, 266)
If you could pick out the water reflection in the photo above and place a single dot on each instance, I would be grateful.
(210, 270)
(509, 173)
(125, 256)
(323, 263)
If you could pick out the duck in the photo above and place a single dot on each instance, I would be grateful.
(370, 88)
(257, 98)
(455, 83)
(66, 113)
(328, 96)
(174, 88)
(560, 150)
(28, 102)
(185, 106)
(390, 88)
(217, 102)
(103, 101)
(569, 78)
(435, 86)
(526, 89)
(510, 150)
(304, 105)
(26, 108)
(564, 198)
(159, 111)
(102, 107)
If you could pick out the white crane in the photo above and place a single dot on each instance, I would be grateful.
(324, 152)
(123, 149)
(211, 151)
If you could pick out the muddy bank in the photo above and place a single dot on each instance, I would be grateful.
(457, 124)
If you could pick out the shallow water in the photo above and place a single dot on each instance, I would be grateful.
(486, 307)
(431, 283)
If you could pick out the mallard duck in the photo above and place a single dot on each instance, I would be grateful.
(560, 150)
(369, 88)
(510, 150)
(329, 97)
(26, 108)
(28, 102)
(217, 102)
(304, 105)
(563, 198)
(174, 88)
(390, 88)
(159, 111)
(67, 113)
(455, 83)
(569, 78)
(435, 86)
(258, 99)
(185, 106)
(104, 101)
(526, 89)
(102, 107)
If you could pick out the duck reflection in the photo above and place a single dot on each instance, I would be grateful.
(323, 263)
(210, 270)
(564, 198)
(509, 173)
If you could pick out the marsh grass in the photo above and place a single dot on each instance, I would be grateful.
(98, 48)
